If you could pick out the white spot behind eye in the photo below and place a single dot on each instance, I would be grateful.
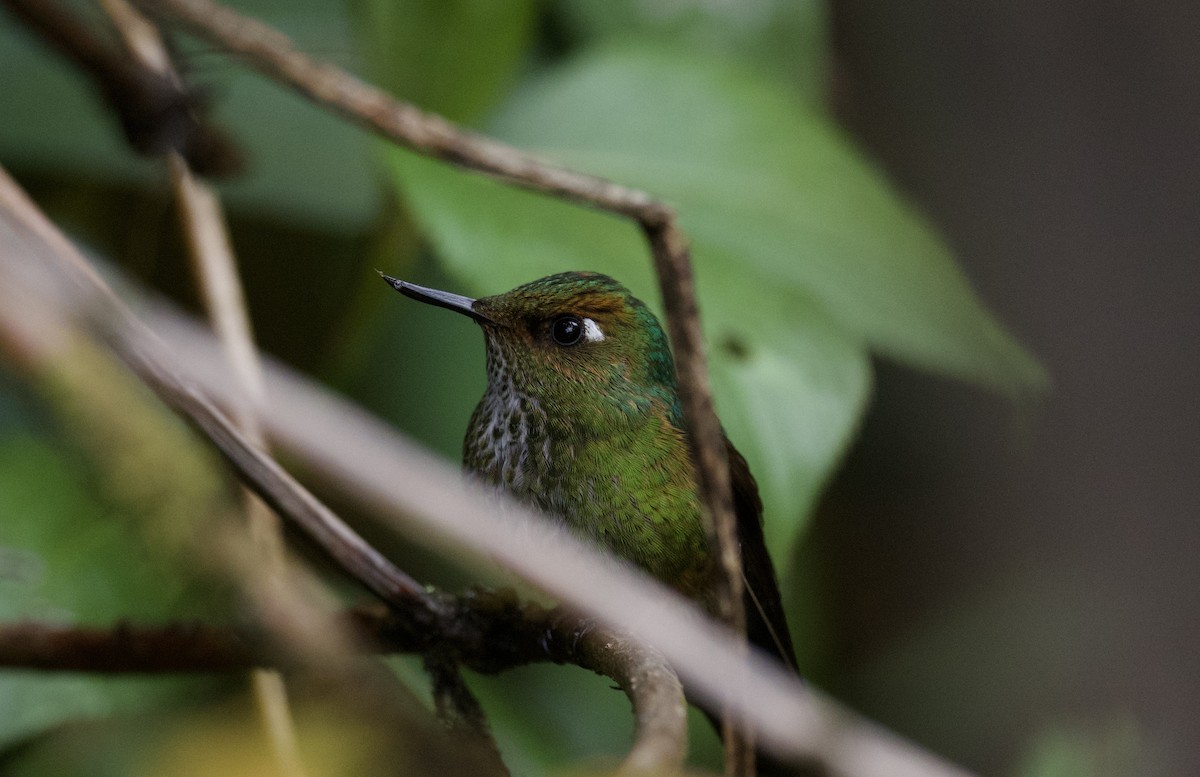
(591, 331)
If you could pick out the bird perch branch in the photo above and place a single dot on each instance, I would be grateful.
(489, 633)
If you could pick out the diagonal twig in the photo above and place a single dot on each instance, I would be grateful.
(489, 633)
(215, 271)
(458, 709)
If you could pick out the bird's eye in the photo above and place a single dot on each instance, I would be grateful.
(567, 330)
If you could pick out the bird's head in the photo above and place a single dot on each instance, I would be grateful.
(569, 341)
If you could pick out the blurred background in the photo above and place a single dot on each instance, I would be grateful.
(1053, 571)
(947, 257)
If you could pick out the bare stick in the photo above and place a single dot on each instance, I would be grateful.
(273, 54)
(459, 710)
(150, 650)
(674, 267)
(215, 270)
(488, 633)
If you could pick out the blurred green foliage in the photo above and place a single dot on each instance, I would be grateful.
(1110, 748)
(808, 262)
(66, 557)
(785, 39)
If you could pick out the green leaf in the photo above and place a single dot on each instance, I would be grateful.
(790, 387)
(753, 173)
(65, 559)
(454, 57)
(787, 38)
(804, 255)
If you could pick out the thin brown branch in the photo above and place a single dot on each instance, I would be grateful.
(215, 268)
(213, 263)
(216, 273)
(674, 268)
(190, 647)
(273, 54)
(489, 632)
(459, 710)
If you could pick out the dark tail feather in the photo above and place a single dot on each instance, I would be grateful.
(766, 623)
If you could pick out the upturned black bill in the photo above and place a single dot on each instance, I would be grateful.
(442, 299)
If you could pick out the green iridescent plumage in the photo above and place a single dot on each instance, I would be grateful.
(581, 418)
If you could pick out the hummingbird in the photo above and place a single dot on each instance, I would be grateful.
(582, 419)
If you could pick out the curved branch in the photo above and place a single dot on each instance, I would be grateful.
(489, 632)
(654, 690)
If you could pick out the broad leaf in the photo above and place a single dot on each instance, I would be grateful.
(787, 38)
(805, 257)
(454, 57)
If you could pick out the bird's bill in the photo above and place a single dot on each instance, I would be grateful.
(442, 299)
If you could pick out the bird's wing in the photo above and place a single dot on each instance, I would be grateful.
(766, 624)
